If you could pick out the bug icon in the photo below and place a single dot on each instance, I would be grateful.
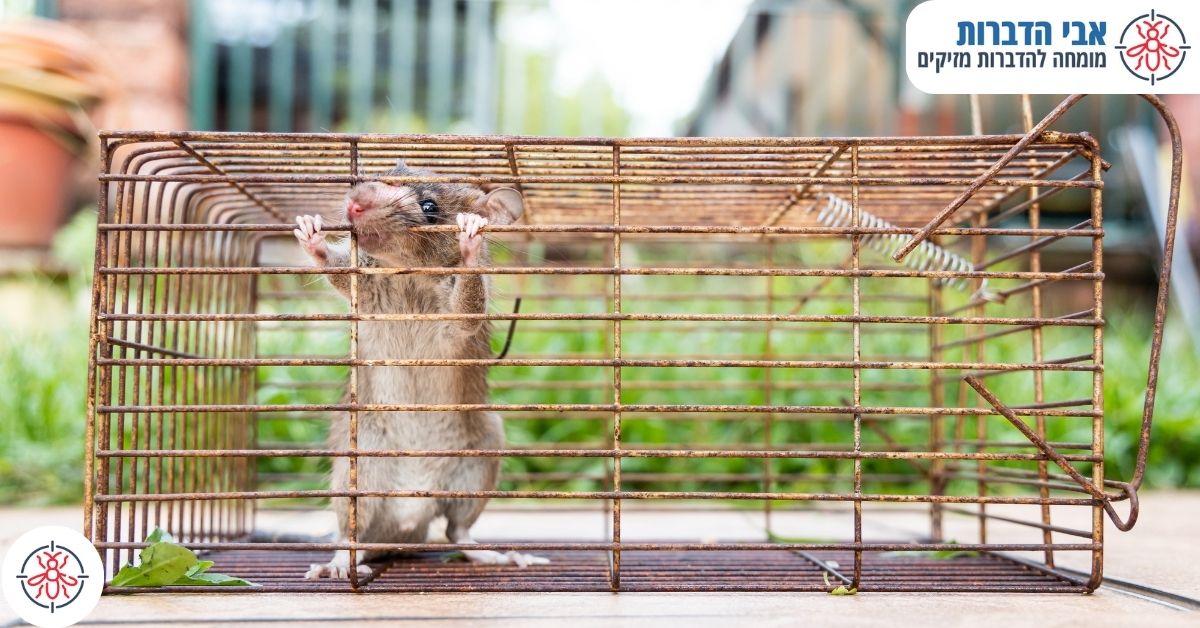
(1153, 52)
(1152, 47)
(51, 582)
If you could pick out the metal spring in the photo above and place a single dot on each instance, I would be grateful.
(928, 256)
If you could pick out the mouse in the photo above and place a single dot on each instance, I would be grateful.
(382, 215)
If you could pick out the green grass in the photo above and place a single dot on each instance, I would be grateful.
(43, 364)
(43, 367)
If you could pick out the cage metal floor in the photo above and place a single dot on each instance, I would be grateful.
(652, 571)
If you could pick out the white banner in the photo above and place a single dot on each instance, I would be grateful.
(1054, 47)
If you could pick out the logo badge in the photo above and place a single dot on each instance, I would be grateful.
(52, 577)
(1153, 47)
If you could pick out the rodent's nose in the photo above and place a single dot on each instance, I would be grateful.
(354, 210)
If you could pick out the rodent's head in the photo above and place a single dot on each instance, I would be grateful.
(382, 214)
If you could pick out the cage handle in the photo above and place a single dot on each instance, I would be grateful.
(1128, 489)
(1160, 303)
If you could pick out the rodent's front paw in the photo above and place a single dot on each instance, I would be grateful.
(311, 238)
(470, 242)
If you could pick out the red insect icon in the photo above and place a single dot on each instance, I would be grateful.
(51, 582)
(1153, 52)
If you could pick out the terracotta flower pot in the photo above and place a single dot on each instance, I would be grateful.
(35, 185)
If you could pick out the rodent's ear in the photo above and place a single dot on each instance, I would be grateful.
(502, 206)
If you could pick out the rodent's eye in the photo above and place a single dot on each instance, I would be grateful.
(431, 210)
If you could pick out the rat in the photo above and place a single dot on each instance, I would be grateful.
(382, 215)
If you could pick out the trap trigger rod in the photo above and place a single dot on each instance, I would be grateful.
(512, 327)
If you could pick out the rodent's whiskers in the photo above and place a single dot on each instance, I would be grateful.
(498, 243)
(400, 202)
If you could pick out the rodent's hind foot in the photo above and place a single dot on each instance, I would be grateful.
(489, 557)
(334, 569)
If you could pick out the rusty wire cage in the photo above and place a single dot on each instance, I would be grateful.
(701, 331)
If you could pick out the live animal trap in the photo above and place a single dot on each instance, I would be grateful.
(718, 365)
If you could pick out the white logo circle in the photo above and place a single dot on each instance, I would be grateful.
(52, 577)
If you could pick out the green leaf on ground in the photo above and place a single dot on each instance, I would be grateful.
(200, 567)
(211, 579)
(842, 590)
(159, 564)
(166, 563)
(159, 535)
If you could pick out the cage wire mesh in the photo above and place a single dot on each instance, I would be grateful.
(707, 324)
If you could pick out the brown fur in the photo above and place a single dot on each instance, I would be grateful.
(385, 240)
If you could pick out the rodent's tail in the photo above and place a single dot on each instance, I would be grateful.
(274, 536)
